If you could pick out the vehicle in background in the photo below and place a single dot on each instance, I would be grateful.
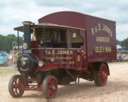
(122, 54)
(4, 57)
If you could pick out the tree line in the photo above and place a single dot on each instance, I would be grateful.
(6, 42)
(124, 43)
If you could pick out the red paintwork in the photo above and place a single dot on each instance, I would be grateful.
(48, 67)
(67, 61)
(51, 86)
(65, 18)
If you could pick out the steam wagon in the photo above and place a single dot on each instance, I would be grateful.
(61, 48)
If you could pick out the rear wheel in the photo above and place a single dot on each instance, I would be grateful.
(49, 86)
(101, 75)
(16, 86)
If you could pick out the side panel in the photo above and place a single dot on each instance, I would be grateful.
(101, 39)
(55, 58)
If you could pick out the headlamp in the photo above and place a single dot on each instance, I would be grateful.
(40, 63)
(25, 46)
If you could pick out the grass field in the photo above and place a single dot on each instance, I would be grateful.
(4, 71)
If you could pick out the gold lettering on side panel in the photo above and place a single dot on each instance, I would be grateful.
(101, 27)
(101, 49)
(102, 39)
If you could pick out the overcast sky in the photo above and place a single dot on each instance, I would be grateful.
(13, 12)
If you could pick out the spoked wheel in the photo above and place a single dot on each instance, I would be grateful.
(16, 86)
(101, 76)
(49, 86)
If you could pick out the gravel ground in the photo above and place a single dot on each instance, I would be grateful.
(115, 91)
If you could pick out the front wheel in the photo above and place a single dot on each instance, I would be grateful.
(16, 86)
(50, 86)
(101, 75)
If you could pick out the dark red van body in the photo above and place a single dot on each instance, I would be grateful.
(99, 37)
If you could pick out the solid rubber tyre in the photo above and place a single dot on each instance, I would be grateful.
(101, 75)
(50, 86)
